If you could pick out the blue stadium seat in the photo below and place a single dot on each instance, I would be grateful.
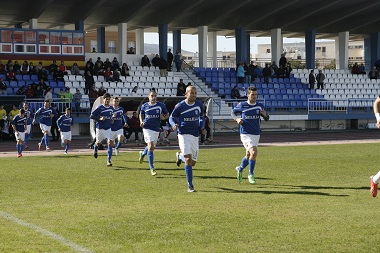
(214, 86)
(10, 91)
(61, 84)
(26, 77)
(221, 85)
(221, 92)
(228, 86)
(227, 91)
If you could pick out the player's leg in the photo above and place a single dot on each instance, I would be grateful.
(109, 151)
(374, 183)
(252, 164)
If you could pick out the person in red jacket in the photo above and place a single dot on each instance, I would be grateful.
(134, 127)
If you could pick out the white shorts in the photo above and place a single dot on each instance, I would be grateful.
(28, 127)
(66, 136)
(249, 140)
(102, 134)
(189, 145)
(116, 134)
(20, 136)
(45, 128)
(150, 136)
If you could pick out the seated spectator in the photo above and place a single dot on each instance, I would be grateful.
(38, 68)
(125, 70)
(11, 76)
(130, 51)
(38, 92)
(3, 87)
(75, 69)
(133, 127)
(115, 64)
(145, 61)
(92, 95)
(373, 73)
(2, 67)
(53, 67)
(62, 68)
(32, 69)
(108, 75)
(29, 93)
(43, 85)
(362, 69)
(101, 91)
(17, 68)
(181, 88)
(355, 69)
(9, 66)
(42, 74)
(242, 93)
(156, 61)
(235, 92)
(288, 70)
(98, 69)
(93, 50)
(24, 68)
(116, 75)
(107, 64)
(59, 76)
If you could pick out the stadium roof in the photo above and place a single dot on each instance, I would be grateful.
(294, 17)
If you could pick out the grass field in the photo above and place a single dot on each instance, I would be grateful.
(307, 199)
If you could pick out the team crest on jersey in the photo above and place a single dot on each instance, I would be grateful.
(257, 111)
(157, 111)
(196, 112)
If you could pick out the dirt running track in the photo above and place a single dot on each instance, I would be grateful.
(80, 145)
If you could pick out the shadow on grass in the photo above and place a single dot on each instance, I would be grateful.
(255, 190)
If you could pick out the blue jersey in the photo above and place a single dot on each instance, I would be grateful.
(118, 118)
(102, 111)
(29, 117)
(151, 115)
(250, 114)
(189, 118)
(20, 123)
(65, 122)
(45, 115)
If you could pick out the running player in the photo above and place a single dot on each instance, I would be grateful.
(47, 113)
(64, 123)
(19, 125)
(117, 131)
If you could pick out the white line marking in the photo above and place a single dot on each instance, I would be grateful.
(43, 231)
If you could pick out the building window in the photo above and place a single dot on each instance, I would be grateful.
(111, 47)
(55, 38)
(18, 37)
(67, 38)
(6, 36)
(30, 37)
(78, 38)
(43, 37)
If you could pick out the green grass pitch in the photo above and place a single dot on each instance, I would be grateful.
(307, 199)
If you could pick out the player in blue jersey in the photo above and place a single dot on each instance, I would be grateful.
(151, 114)
(187, 118)
(248, 115)
(29, 116)
(46, 114)
(103, 117)
(64, 124)
(19, 126)
(117, 131)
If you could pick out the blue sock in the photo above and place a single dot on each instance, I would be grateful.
(47, 140)
(42, 139)
(189, 175)
(145, 151)
(67, 147)
(21, 148)
(109, 156)
(244, 163)
(95, 148)
(26, 138)
(252, 164)
(181, 157)
(151, 159)
(118, 145)
(18, 148)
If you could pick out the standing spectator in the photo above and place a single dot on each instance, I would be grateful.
(320, 79)
(125, 70)
(247, 115)
(181, 88)
(362, 69)
(64, 123)
(28, 129)
(3, 118)
(178, 60)
(151, 114)
(89, 66)
(240, 73)
(207, 127)
(247, 72)
(75, 69)
(145, 62)
(49, 95)
(3, 87)
(46, 114)
(77, 101)
(68, 97)
(133, 127)
(170, 59)
(311, 80)
(283, 61)
(288, 70)
(163, 66)
(266, 73)
(2, 67)
(18, 125)
(373, 73)
(89, 82)
(187, 118)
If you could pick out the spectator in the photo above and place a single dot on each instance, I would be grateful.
(247, 72)
(42, 74)
(32, 69)
(77, 101)
(54, 127)
(42, 84)
(133, 127)
(3, 87)
(178, 60)
(131, 51)
(9, 66)
(24, 68)
(53, 68)
(156, 61)
(29, 93)
(49, 95)
(2, 67)
(170, 59)
(288, 70)
(108, 75)
(93, 50)
(163, 66)
(68, 97)
(311, 80)
(38, 68)
(99, 60)
(92, 95)
(107, 64)
(59, 75)
(38, 92)
(181, 88)
(373, 73)
(17, 68)
(89, 66)
(355, 69)
(115, 64)
(242, 93)
(240, 73)
(362, 69)
(320, 79)
(63, 68)
(145, 61)
(11, 76)
(75, 69)
(283, 61)
(98, 69)
(101, 91)
(116, 75)
(207, 127)
(235, 92)
(125, 70)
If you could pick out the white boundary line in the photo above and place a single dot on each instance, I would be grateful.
(43, 231)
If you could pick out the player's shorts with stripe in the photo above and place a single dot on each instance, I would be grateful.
(150, 136)
(102, 134)
(45, 128)
(249, 140)
(116, 134)
(20, 136)
(66, 136)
